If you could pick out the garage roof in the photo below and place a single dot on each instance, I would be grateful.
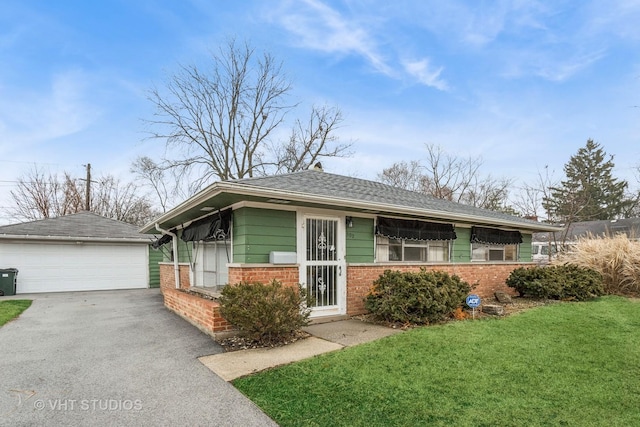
(82, 226)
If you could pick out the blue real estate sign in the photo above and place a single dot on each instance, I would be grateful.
(473, 301)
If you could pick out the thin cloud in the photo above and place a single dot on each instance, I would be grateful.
(423, 72)
(319, 27)
(31, 118)
(322, 28)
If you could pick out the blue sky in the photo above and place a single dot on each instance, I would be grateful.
(521, 84)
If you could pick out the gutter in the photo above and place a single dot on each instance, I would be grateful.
(174, 243)
(73, 239)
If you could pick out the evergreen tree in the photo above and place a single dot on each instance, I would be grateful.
(590, 192)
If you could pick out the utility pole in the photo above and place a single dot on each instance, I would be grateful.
(87, 196)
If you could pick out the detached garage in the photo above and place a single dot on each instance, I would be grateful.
(78, 252)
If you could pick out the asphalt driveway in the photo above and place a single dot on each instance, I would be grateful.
(112, 358)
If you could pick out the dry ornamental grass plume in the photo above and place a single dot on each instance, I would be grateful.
(616, 258)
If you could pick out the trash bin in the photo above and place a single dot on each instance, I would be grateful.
(8, 280)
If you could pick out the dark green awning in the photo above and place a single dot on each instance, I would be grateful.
(495, 236)
(414, 229)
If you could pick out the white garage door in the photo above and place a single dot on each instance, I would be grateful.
(60, 267)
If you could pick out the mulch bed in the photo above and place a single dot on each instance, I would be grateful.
(239, 342)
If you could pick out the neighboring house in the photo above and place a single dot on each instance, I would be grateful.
(333, 234)
(546, 243)
(78, 252)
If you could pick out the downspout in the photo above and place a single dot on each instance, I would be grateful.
(174, 243)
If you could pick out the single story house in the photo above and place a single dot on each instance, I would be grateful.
(78, 252)
(334, 235)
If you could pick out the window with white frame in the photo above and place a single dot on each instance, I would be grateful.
(407, 240)
(493, 244)
(390, 250)
(488, 252)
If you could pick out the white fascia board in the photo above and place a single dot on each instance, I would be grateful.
(29, 237)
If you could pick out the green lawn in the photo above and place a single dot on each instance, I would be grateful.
(10, 309)
(564, 364)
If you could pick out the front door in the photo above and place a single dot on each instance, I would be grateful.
(323, 268)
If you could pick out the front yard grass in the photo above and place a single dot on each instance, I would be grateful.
(10, 309)
(562, 364)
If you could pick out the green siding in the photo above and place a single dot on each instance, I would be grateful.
(525, 248)
(155, 256)
(360, 241)
(184, 251)
(462, 245)
(257, 232)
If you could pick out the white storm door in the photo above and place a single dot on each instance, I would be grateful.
(323, 270)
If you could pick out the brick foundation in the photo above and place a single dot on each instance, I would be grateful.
(167, 276)
(289, 275)
(205, 314)
(200, 312)
(487, 279)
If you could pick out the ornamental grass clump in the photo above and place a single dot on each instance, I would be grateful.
(416, 297)
(616, 258)
(268, 314)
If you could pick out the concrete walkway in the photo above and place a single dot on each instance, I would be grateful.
(325, 337)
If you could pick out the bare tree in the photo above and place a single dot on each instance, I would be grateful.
(41, 194)
(448, 177)
(529, 201)
(121, 201)
(153, 176)
(220, 122)
(404, 175)
(311, 141)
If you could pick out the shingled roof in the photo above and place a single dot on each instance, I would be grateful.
(85, 225)
(313, 188)
(339, 186)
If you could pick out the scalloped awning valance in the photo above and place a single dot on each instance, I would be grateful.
(414, 229)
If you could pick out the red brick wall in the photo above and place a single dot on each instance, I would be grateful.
(289, 276)
(489, 278)
(167, 276)
(205, 314)
(200, 312)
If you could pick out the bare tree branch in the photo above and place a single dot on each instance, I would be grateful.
(451, 178)
(42, 195)
(311, 141)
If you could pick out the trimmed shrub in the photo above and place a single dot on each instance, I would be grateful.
(266, 313)
(418, 298)
(567, 282)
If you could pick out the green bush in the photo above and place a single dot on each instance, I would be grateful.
(568, 282)
(418, 298)
(267, 313)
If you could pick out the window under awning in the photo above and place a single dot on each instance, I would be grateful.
(414, 229)
(214, 227)
(495, 236)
